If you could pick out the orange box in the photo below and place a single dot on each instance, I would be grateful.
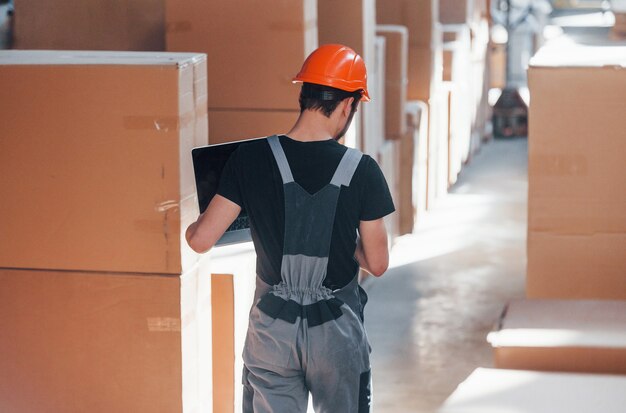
(223, 317)
(95, 159)
(425, 72)
(90, 25)
(406, 210)
(583, 336)
(425, 42)
(456, 11)
(256, 47)
(353, 23)
(417, 120)
(234, 125)
(521, 391)
(396, 80)
(419, 16)
(94, 342)
(349, 22)
(388, 160)
(576, 194)
(618, 31)
(438, 124)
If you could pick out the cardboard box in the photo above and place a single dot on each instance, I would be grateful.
(240, 261)
(256, 47)
(419, 16)
(90, 25)
(425, 55)
(479, 84)
(497, 65)
(583, 336)
(447, 64)
(406, 156)
(374, 120)
(496, 390)
(396, 80)
(234, 125)
(462, 108)
(417, 120)
(95, 342)
(619, 28)
(425, 72)
(349, 22)
(456, 11)
(223, 316)
(437, 147)
(95, 159)
(388, 161)
(576, 198)
(353, 23)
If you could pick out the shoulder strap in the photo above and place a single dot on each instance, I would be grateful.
(281, 159)
(347, 167)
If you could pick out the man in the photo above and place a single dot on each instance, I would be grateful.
(306, 196)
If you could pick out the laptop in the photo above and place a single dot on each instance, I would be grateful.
(208, 163)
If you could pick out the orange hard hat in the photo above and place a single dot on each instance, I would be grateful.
(336, 66)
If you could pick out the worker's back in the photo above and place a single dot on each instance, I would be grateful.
(253, 181)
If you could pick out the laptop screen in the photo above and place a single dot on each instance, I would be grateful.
(208, 164)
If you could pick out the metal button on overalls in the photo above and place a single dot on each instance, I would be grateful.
(303, 337)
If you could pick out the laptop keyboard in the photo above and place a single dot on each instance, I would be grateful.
(239, 223)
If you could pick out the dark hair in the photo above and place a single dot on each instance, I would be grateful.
(325, 98)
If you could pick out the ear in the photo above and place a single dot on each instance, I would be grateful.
(347, 106)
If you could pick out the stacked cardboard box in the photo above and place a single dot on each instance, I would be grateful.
(425, 55)
(457, 73)
(406, 160)
(250, 89)
(353, 23)
(619, 28)
(108, 307)
(101, 342)
(234, 280)
(499, 390)
(577, 199)
(479, 84)
(103, 140)
(417, 119)
(396, 80)
(583, 336)
(463, 11)
(223, 317)
(484, 59)
(424, 76)
(90, 25)
(412, 157)
(376, 84)
(388, 160)
(455, 11)
(497, 65)
(438, 124)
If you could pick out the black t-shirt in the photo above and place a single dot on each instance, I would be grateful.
(252, 180)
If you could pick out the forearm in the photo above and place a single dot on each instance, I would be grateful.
(359, 254)
(372, 251)
(204, 233)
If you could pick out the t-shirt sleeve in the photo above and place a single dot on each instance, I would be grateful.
(376, 200)
(229, 186)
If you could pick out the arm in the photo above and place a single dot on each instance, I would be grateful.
(211, 224)
(372, 252)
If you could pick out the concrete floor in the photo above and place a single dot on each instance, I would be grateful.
(428, 316)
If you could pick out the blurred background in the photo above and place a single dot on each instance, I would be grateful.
(499, 125)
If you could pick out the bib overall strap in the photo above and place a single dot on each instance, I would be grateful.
(281, 159)
(347, 167)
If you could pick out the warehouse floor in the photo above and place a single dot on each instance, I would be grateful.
(428, 316)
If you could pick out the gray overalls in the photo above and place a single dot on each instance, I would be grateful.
(302, 336)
